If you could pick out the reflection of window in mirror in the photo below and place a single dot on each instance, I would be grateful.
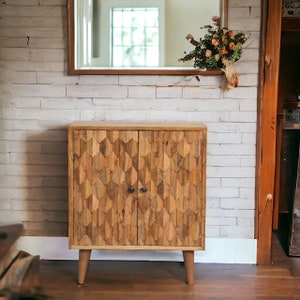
(108, 33)
(135, 37)
(118, 33)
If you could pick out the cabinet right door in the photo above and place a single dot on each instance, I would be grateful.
(171, 202)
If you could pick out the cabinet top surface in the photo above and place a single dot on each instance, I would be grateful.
(137, 125)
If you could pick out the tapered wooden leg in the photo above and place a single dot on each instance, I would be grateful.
(84, 258)
(188, 257)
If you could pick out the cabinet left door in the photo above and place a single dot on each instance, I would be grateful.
(102, 187)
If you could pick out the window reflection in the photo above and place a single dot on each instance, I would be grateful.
(135, 37)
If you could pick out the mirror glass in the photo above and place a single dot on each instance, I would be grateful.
(135, 36)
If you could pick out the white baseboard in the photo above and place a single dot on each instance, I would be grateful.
(237, 251)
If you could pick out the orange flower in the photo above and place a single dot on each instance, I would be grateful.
(231, 45)
(207, 53)
(224, 50)
(230, 34)
(215, 19)
(215, 42)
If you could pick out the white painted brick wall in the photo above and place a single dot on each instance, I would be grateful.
(38, 101)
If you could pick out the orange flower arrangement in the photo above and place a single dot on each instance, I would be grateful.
(218, 49)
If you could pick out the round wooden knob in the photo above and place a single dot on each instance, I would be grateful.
(143, 190)
(131, 189)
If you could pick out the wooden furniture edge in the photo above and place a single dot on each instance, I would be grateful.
(135, 125)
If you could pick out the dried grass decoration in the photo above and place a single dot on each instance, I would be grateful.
(218, 49)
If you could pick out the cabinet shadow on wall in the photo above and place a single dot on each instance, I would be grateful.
(46, 171)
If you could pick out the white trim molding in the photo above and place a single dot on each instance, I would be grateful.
(234, 251)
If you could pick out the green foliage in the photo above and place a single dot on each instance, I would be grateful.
(217, 45)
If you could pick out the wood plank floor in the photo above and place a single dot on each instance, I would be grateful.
(166, 280)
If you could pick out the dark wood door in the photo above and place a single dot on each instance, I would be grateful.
(288, 167)
(294, 242)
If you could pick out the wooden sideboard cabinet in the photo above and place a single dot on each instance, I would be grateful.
(137, 186)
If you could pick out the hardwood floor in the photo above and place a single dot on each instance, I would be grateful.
(165, 280)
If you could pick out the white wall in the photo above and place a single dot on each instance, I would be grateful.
(39, 100)
(183, 19)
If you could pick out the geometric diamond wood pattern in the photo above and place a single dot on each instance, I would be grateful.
(104, 166)
(171, 166)
(140, 188)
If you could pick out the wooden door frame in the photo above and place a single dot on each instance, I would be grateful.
(266, 126)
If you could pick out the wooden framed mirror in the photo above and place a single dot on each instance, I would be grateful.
(99, 35)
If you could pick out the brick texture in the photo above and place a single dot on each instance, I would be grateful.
(38, 101)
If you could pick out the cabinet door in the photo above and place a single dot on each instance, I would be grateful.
(171, 202)
(104, 187)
